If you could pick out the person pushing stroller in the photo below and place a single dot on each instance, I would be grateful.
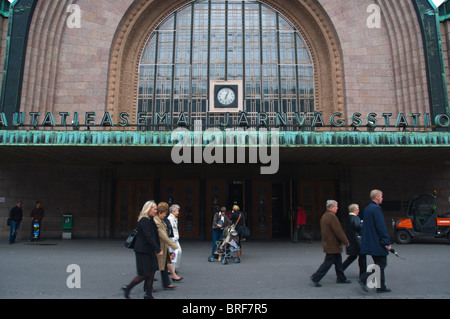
(220, 222)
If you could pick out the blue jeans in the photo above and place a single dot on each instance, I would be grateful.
(217, 235)
(14, 226)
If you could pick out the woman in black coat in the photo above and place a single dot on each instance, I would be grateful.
(237, 219)
(353, 232)
(146, 248)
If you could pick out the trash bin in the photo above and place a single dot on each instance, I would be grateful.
(67, 222)
(67, 226)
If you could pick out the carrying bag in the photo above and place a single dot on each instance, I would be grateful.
(129, 243)
(245, 232)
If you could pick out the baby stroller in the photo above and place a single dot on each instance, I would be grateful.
(229, 246)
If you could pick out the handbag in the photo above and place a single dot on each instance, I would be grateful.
(129, 243)
(8, 221)
(244, 231)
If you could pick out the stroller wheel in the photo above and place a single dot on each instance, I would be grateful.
(225, 261)
(237, 260)
(211, 259)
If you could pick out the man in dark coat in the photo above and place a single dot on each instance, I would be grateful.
(15, 217)
(353, 233)
(375, 238)
(332, 239)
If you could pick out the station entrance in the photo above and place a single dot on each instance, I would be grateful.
(270, 206)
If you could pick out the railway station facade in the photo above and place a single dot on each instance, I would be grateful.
(206, 103)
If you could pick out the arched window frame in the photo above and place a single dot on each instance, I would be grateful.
(177, 82)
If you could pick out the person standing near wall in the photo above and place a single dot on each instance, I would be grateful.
(301, 224)
(37, 214)
(15, 218)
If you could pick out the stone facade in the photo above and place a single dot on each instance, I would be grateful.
(95, 68)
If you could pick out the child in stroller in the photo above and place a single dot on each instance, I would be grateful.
(229, 246)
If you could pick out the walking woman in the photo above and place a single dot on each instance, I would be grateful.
(237, 218)
(146, 248)
(165, 243)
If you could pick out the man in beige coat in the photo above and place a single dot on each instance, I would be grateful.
(332, 239)
(165, 243)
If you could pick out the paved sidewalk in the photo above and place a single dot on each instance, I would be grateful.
(269, 270)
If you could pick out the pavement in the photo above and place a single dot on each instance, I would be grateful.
(269, 270)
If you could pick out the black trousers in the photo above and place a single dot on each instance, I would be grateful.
(165, 277)
(381, 261)
(362, 263)
(330, 260)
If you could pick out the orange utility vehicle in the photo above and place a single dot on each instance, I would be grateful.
(422, 220)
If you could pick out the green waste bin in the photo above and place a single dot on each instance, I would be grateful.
(67, 222)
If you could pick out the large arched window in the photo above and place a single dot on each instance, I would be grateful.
(207, 41)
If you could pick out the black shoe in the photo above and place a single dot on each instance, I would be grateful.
(363, 286)
(148, 296)
(180, 279)
(380, 291)
(126, 292)
(346, 281)
(316, 283)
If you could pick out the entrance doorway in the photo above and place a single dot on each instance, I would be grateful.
(186, 194)
(269, 207)
(281, 221)
(130, 198)
(312, 196)
(236, 195)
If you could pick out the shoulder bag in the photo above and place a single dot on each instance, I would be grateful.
(129, 243)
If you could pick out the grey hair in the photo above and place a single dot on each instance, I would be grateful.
(353, 207)
(331, 203)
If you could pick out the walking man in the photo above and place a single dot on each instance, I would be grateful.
(332, 239)
(353, 232)
(375, 239)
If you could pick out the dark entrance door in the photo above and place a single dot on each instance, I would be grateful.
(281, 222)
(216, 197)
(186, 194)
(236, 195)
(261, 215)
(130, 198)
(313, 195)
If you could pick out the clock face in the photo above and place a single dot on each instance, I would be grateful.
(226, 96)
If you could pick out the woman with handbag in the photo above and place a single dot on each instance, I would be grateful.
(237, 219)
(146, 248)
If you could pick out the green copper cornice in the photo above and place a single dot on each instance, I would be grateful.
(165, 139)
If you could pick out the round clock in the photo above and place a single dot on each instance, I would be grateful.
(226, 96)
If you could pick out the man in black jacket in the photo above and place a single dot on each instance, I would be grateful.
(353, 232)
(15, 216)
